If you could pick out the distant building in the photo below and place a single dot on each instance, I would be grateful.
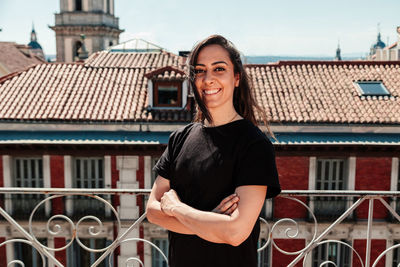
(17, 57)
(338, 56)
(35, 47)
(387, 53)
(94, 19)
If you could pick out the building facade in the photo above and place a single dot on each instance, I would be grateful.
(105, 122)
(94, 19)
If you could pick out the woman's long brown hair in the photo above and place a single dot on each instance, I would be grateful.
(243, 98)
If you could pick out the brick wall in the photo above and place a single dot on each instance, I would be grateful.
(293, 174)
(373, 174)
(377, 247)
(282, 260)
(57, 181)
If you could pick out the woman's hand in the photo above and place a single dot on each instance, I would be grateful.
(228, 205)
(169, 201)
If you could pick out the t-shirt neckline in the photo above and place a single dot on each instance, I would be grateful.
(222, 125)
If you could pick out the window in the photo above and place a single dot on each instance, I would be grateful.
(80, 257)
(157, 260)
(88, 173)
(27, 172)
(396, 255)
(368, 88)
(330, 175)
(154, 160)
(28, 254)
(75, 52)
(167, 94)
(78, 5)
(266, 211)
(335, 252)
(263, 255)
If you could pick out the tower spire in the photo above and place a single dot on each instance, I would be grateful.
(338, 52)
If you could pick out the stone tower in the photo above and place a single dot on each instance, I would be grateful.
(92, 18)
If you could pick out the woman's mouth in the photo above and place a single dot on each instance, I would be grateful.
(211, 91)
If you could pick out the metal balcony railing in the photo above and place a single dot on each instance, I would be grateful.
(320, 203)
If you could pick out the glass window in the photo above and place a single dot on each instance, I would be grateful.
(335, 252)
(263, 255)
(80, 257)
(330, 175)
(88, 173)
(167, 94)
(396, 254)
(157, 260)
(27, 172)
(78, 5)
(28, 254)
(372, 89)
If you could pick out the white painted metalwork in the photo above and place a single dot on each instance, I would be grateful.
(54, 225)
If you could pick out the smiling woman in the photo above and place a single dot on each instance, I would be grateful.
(216, 172)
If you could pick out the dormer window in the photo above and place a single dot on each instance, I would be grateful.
(167, 88)
(167, 94)
(372, 88)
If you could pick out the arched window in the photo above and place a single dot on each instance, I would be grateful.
(75, 52)
(78, 5)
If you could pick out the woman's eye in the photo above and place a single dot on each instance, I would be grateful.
(198, 71)
(219, 69)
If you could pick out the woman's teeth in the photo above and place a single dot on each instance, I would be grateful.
(210, 92)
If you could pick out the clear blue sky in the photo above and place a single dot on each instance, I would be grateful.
(264, 27)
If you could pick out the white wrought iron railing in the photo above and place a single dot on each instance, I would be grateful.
(290, 226)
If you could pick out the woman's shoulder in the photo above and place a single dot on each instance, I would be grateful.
(181, 133)
(251, 134)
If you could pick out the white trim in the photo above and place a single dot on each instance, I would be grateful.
(107, 181)
(394, 179)
(46, 181)
(311, 173)
(50, 244)
(184, 92)
(311, 178)
(9, 251)
(168, 127)
(7, 163)
(70, 5)
(147, 172)
(85, 5)
(394, 174)
(351, 182)
(68, 183)
(389, 255)
(150, 93)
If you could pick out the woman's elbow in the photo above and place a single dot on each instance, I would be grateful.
(237, 236)
(150, 213)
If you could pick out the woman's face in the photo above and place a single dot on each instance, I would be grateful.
(215, 79)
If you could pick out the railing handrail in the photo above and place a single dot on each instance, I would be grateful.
(116, 191)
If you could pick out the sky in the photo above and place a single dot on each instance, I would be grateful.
(256, 27)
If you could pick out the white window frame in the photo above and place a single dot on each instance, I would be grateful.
(349, 176)
(150, 96)
(326, 245)
(164, 250)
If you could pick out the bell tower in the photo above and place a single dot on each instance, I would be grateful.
(94, 19)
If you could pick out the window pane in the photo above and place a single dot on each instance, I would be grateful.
(167, 95)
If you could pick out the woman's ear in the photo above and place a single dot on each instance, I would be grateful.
(237, 79)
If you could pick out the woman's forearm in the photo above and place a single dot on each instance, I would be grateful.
(156, 216)
(213, 227)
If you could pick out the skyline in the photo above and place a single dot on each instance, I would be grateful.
(265, 30)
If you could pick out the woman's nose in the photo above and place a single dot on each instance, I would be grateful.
(208, 77)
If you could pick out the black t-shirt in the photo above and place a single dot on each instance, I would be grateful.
(205, 165)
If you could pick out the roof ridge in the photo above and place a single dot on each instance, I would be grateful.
(322, 62)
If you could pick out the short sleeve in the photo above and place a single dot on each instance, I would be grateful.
(163, 165)
(256, 166)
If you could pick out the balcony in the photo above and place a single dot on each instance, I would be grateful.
(95, 216)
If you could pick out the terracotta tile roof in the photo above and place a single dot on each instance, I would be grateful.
(15, 57)
(137, 60)
(167, 73)
(291, 92)
(324, 92)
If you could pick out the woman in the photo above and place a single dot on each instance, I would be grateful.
(223, 153)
